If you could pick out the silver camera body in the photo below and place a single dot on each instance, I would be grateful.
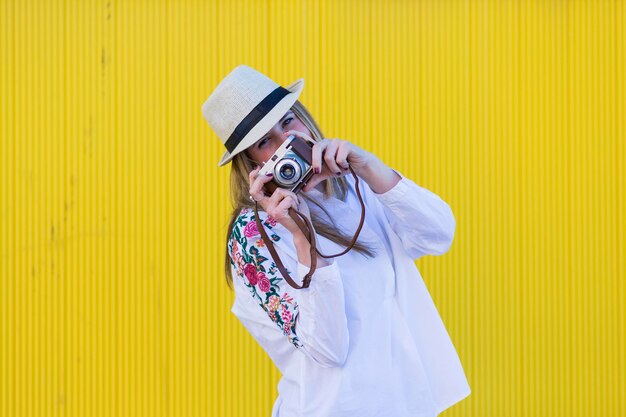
(291, 165)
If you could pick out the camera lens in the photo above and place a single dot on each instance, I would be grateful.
(287, 172)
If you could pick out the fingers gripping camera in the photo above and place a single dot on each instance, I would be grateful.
(291, 165)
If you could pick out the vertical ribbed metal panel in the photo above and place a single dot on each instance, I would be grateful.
(113, 211)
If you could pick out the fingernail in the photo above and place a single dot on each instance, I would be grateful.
(317, 170)
(338, 173)
(269, 174)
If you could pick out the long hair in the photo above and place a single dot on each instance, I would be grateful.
(242, 165)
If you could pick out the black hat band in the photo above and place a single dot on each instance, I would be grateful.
(255, 116)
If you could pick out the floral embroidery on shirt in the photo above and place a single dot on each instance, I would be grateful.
(252, 262)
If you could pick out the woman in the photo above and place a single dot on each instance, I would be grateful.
(364, 339)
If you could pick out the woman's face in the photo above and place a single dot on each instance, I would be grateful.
(264, 148)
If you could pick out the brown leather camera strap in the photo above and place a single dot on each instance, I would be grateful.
(307, 228)
(360, 226)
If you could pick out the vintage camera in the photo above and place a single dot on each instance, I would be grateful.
(291, 165)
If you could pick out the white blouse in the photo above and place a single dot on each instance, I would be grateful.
(365, 339)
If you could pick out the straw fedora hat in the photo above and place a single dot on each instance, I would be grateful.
(245, 105)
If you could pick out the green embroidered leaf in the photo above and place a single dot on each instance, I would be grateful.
(247, 258)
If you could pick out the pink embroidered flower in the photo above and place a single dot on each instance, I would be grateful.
(274, 302)
(250, 272)
(260, 243)
(273, 315)
(286, 315)
(250, 230)
(286, 329)
(264, 282)
(271, 221)
(287, 298)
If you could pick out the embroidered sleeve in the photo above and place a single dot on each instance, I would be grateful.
(260, 274)
(312, 319)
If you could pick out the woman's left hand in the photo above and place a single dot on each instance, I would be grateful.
(337, 156)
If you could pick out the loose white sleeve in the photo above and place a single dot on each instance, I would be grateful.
(281, 318)
(421, 219)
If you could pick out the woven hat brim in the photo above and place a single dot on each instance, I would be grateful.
(267, 122)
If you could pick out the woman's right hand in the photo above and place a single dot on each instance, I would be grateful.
(278, 204)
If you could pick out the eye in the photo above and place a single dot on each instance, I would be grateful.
(287, 121)
(263, 142)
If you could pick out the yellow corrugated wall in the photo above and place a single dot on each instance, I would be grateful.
(113, 211)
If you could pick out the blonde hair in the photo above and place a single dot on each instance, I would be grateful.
(242, 165)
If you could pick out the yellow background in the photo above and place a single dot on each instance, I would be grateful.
(113, 211)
